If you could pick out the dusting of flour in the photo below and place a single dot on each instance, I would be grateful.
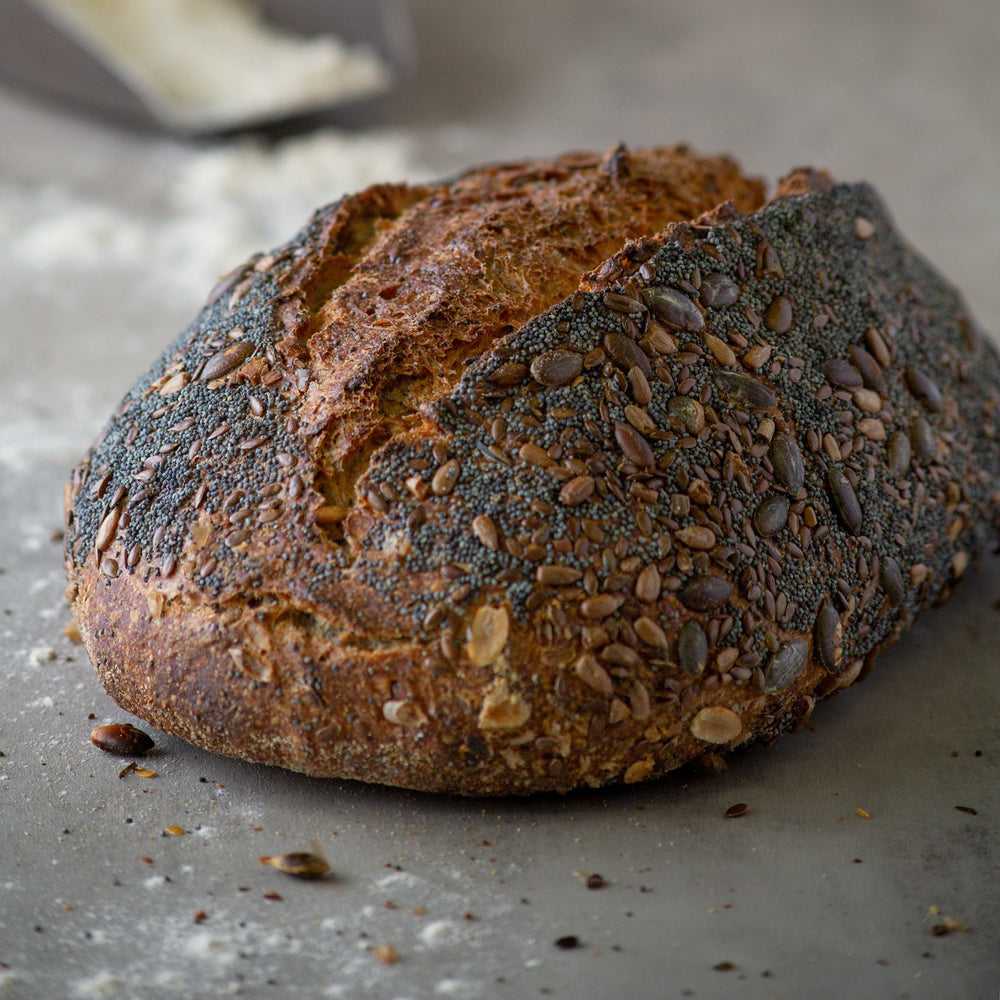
(219, 205)
(116, 270)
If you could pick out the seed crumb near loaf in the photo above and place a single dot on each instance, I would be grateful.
(555, 475)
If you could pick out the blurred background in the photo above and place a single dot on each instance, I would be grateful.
(133, 173)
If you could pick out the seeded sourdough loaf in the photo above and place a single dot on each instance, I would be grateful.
(558, 474)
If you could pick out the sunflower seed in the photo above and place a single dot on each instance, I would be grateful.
(619, 303)
(651, 633)
(485, 530)
(601, 605)
(696, 537)
(871, 370)
(552, 575)
(647, 584)
(445, 477)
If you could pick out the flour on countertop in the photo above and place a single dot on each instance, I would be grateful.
(220, 204)
(115, 275)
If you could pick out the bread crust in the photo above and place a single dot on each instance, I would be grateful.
(412, 502)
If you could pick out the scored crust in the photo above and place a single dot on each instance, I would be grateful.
(414, 502)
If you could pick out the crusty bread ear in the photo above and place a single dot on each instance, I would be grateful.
(556, 475)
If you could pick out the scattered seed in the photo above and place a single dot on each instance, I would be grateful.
(301, 864)
(386, 954)
(122, 739)
(567, 942)
(595, 881)
(174, 831)
(739, 809)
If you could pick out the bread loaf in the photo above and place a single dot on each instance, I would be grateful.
(554, 475)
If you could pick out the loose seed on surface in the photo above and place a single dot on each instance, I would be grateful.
(301, 864)
(122, 739)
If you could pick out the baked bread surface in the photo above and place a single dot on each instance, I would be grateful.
(557, 474)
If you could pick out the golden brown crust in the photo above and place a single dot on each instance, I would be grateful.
(413, 504)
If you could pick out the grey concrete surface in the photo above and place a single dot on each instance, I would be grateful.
(803, 895)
